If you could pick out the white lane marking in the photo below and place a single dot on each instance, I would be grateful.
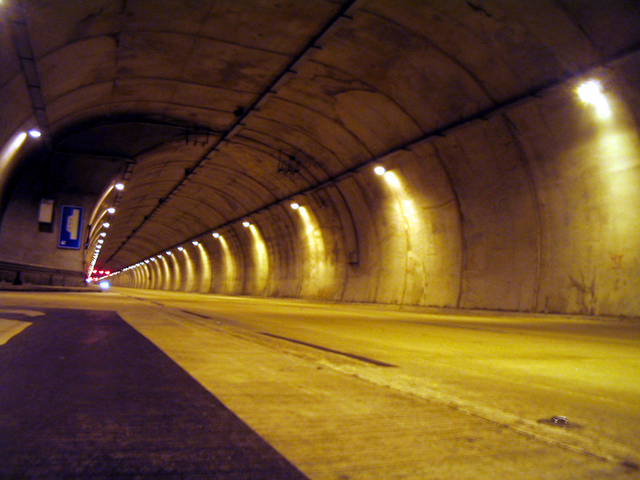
(11, 328)
(20, 311)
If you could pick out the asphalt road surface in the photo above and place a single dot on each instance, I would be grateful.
(368, 392)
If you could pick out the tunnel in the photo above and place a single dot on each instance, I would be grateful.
(339, 217)
(507, 133)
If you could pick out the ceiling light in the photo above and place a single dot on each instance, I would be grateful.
(591, 92)
(111, 210)
(180, 248)
(106, 225)
(168, 252)
(215, 235)
(35, 133)
(101, 241)
(119, 186)
(103, 234)
(295, 206)
(246, 224)
(195, 242)
(379, 170)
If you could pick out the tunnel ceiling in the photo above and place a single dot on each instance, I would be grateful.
(221, 108)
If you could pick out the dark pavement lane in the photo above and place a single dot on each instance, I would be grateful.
(83, 395)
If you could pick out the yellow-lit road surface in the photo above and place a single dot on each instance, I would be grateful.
(375, 392)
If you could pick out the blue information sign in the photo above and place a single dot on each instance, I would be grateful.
(70, 227)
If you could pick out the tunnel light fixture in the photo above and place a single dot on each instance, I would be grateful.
(111, 210)
(246, 224)
(103, 234)
(106, 224)
(159, 256)
(35, 133)
(119, 186)
(146, 261)
(215, 235)
(101, 241)
(379, 170)
(153, 259)
(295, 206)
(180, 249)
(168, 252)
(196, 243)
(590, 92)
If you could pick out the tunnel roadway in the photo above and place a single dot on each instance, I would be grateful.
(361, 391)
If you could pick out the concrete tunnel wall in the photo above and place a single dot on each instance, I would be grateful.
(533, 209)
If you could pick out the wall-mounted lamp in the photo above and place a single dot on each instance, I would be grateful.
(35, 133)
(180, 249)
(295, 206)
(196, 243)
(246, 224)
(106, 225)
(169, 253)
(119, 186)
(590, 92)
(111, 210)
(101, 241)
(215, 235)
(103, 234)
(379, 170)
(146, 261)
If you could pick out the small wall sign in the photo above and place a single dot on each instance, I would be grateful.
(70, 227)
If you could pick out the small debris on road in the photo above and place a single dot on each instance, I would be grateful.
(559, 421)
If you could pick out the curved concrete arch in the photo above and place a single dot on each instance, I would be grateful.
(151, 109)
(229, 280)
(306, 142)
(17, 116)
(159, 237)
(248, 144)
(261, 171)
(354, 103)
(238, 251)
(243, 196)
(506, 187)
(451, 57)
(330, 131)
(230, 203)
(417, 92)
(289, 148)
(362, 280)
(249, 192)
